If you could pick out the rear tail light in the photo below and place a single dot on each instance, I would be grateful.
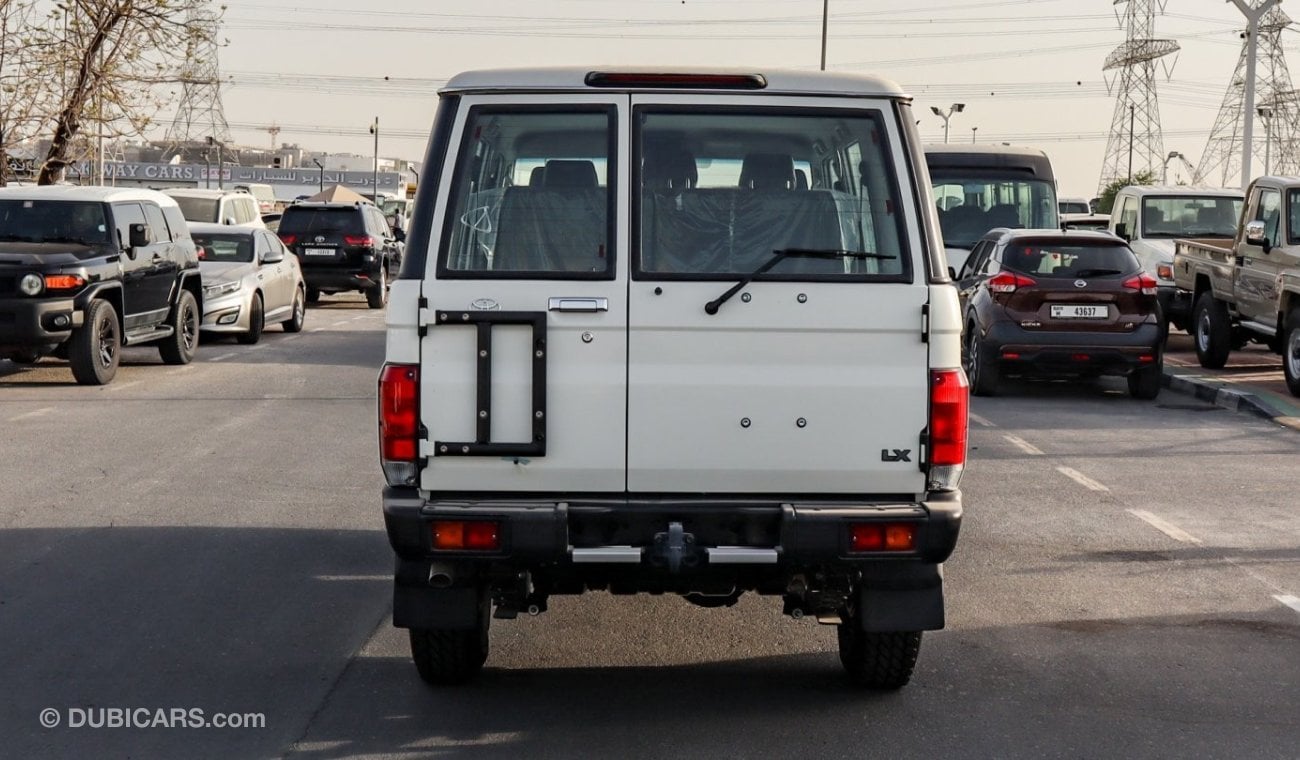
(1009, 282)
(882, 537)
(949, 422)
(399, 422)
(1165, 272)
(1142, 282)
(360, 241)
(466, 535)
(288, 238)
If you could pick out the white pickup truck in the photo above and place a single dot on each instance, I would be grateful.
(673, 332)
(1248, 288)
(1150, 218)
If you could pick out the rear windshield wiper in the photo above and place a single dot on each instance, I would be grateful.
(1096, 272)
(781, 254)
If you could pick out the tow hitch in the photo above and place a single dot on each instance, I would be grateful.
(675, 549)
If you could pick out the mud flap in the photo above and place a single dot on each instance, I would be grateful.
(423, 607)
(904, 597)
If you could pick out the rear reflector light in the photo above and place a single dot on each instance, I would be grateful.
(362, 241)
(1080, 357)
(1010, 354)
(466, 535)
(1009, 282)
(399, 413)
(676, 81)
(1142, 282)
(1165, 272)
(1146, 358)
(882, 537)
(288, 238)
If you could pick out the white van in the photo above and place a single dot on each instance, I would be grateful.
(230, 207)
(673, 332)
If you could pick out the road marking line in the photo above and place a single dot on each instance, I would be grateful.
(260, 346)
(1291, 601)
(981, 420)
(178, 370)
(222, 358)
(1081, 479)
(34, 413)
(1164, 526)
(120, 386)
(317, 329)
(1024, 445)
(379, 578)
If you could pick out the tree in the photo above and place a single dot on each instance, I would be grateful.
(23, 99)
(115, 58)
(1107, 198)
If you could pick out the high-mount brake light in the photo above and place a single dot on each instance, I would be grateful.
(676, 81)
(949, 423)
(1142, 282)
(399, 422)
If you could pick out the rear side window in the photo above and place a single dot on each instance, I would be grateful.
(530, 195)
(1293, 217)
(157, 225)
(175, 222)
(720, 190)
(303, 219)
(1049, 259)
(199, 209)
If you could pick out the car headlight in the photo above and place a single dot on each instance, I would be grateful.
(220, 289)
(31, 284)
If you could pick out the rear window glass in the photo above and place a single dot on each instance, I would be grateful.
(1190, 216)
(198, 209)
(721, 190)
(530, 195)
(1047, 259)
(298, 219)
(231, 248)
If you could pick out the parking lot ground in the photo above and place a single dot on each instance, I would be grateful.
(1252, 380)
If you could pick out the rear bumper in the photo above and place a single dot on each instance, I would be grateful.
(326, 278)
(727, 532)
(1065, 353)
(30, 322)
(1175, 304)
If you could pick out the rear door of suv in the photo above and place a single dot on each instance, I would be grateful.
(524, 354)
(812, 378)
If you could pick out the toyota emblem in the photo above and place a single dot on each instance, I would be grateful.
(320, 238)
(1080, 283)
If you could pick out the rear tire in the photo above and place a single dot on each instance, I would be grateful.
(256, 322)
(377, 295)
(1291, 352)
(1212, 331)
(878, 660)
(25, 358)
(446, 657)
(179, 347)
(1144, 383)
(313, 295)
(96, 347)
(294, 323)
(980, 371)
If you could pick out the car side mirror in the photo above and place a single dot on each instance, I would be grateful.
(139, 235)
(1121, 230)
(273, 256)
(1255, 235)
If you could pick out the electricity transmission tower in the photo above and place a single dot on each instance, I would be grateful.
(1276, 101)
(1135, 142)
(200, 114)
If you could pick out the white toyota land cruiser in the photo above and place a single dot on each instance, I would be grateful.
(673, 332)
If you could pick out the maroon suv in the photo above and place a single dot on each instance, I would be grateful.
(1046, 302)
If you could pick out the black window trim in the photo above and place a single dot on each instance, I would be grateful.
(1292, 233)
(610, 109)
(877, 115)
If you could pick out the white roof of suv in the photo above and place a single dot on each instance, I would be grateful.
(779, 82)
(201, 192)
(86, 193)
(1142, 190)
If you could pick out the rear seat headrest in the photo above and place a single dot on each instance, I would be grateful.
(673, 169)
(570, 174)
(537, 176)
(767, 171)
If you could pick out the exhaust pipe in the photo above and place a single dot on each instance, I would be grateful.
(440, 575)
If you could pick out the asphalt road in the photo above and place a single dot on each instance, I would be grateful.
(209, 537)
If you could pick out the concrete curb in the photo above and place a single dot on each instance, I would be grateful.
(1237, 401)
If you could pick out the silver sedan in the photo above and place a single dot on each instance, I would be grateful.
(249, 281)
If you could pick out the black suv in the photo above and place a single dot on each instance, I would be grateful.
(342, 246)
(87, 270)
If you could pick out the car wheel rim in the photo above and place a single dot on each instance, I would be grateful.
(1293, 353)
(297, 308)
(972, 355)
(1203, 332)
(189, 327)
(107, 342)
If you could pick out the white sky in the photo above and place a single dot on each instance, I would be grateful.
(1029, 71)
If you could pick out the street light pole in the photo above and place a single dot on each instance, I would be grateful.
(1266, 114)
(322, 174)
(972, 135)
(1132, 118)
(826, 10)
(374, 130)
(954, 108)
(1253, 16)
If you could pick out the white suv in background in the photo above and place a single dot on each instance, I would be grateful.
(235, 208)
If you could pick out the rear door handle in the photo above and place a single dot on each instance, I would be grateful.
(580, 304)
